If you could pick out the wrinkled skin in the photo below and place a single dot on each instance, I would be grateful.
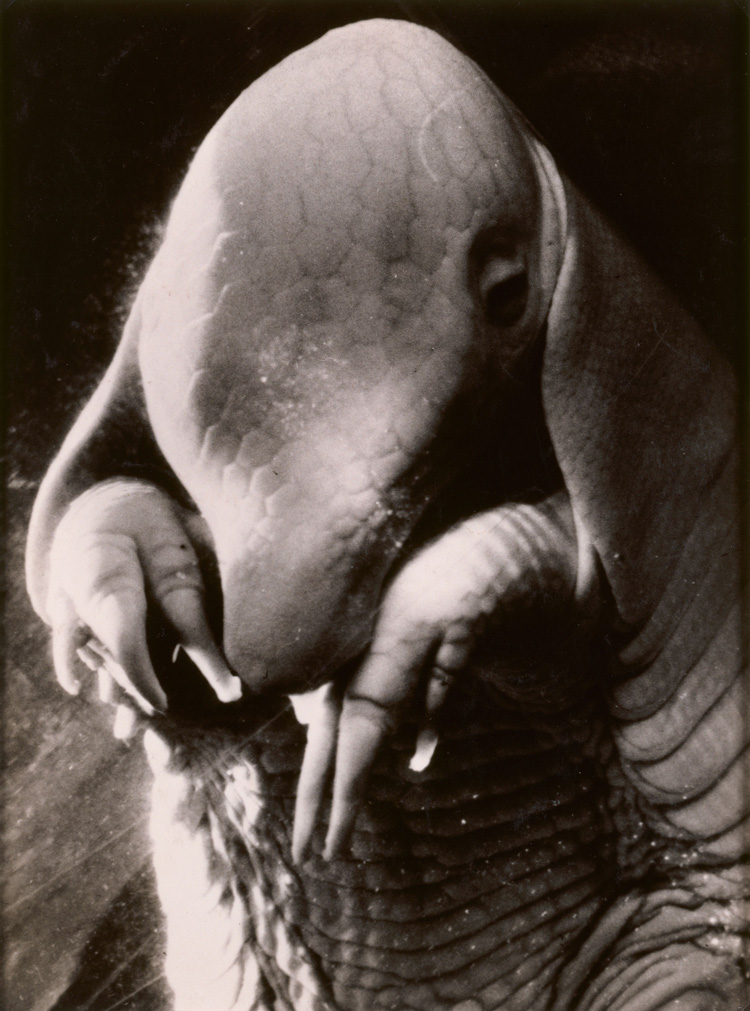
(462, 467)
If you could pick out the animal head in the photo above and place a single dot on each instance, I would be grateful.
(364, 247)
(376, 297)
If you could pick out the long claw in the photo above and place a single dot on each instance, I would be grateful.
(108, 690)
(424, 749)
(107, 686)
(126, 723)
(363, 727)
(210, 663)
(122, 683)
(185, 612)
(374, 699)
(89, 658)
(437, 691)
(119, 623)
(317, 765)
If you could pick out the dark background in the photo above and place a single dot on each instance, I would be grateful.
(644, 104)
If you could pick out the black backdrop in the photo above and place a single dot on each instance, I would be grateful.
(643, 104)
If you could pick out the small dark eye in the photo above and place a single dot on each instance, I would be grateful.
(505, 301)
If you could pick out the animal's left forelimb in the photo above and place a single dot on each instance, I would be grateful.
(484, 572)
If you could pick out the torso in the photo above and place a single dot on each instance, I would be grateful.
(465, 884)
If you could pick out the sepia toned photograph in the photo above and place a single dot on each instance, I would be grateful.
(376, 485)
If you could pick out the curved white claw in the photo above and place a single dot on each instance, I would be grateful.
(317, 765)
(117, 541)
(107, 685)
(126, 722)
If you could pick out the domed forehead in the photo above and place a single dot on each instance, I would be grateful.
(316, 261)
(381, 136)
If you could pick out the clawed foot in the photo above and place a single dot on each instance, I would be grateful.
(120, 546)
(482, 571)
(418, 646)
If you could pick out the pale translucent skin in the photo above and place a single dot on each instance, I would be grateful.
(320, 340)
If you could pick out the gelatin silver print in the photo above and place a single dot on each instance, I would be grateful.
(374, 480)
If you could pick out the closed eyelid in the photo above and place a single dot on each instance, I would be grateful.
(501, 271)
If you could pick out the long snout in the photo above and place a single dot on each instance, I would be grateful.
(300, 604)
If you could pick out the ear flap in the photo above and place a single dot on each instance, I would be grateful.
(111, 438)
(640, 409)
(641, 412)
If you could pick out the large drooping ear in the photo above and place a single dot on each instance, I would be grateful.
(112, 437)
(640, 409)
(641, 412)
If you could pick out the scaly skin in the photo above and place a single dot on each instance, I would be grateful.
(373, 285)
